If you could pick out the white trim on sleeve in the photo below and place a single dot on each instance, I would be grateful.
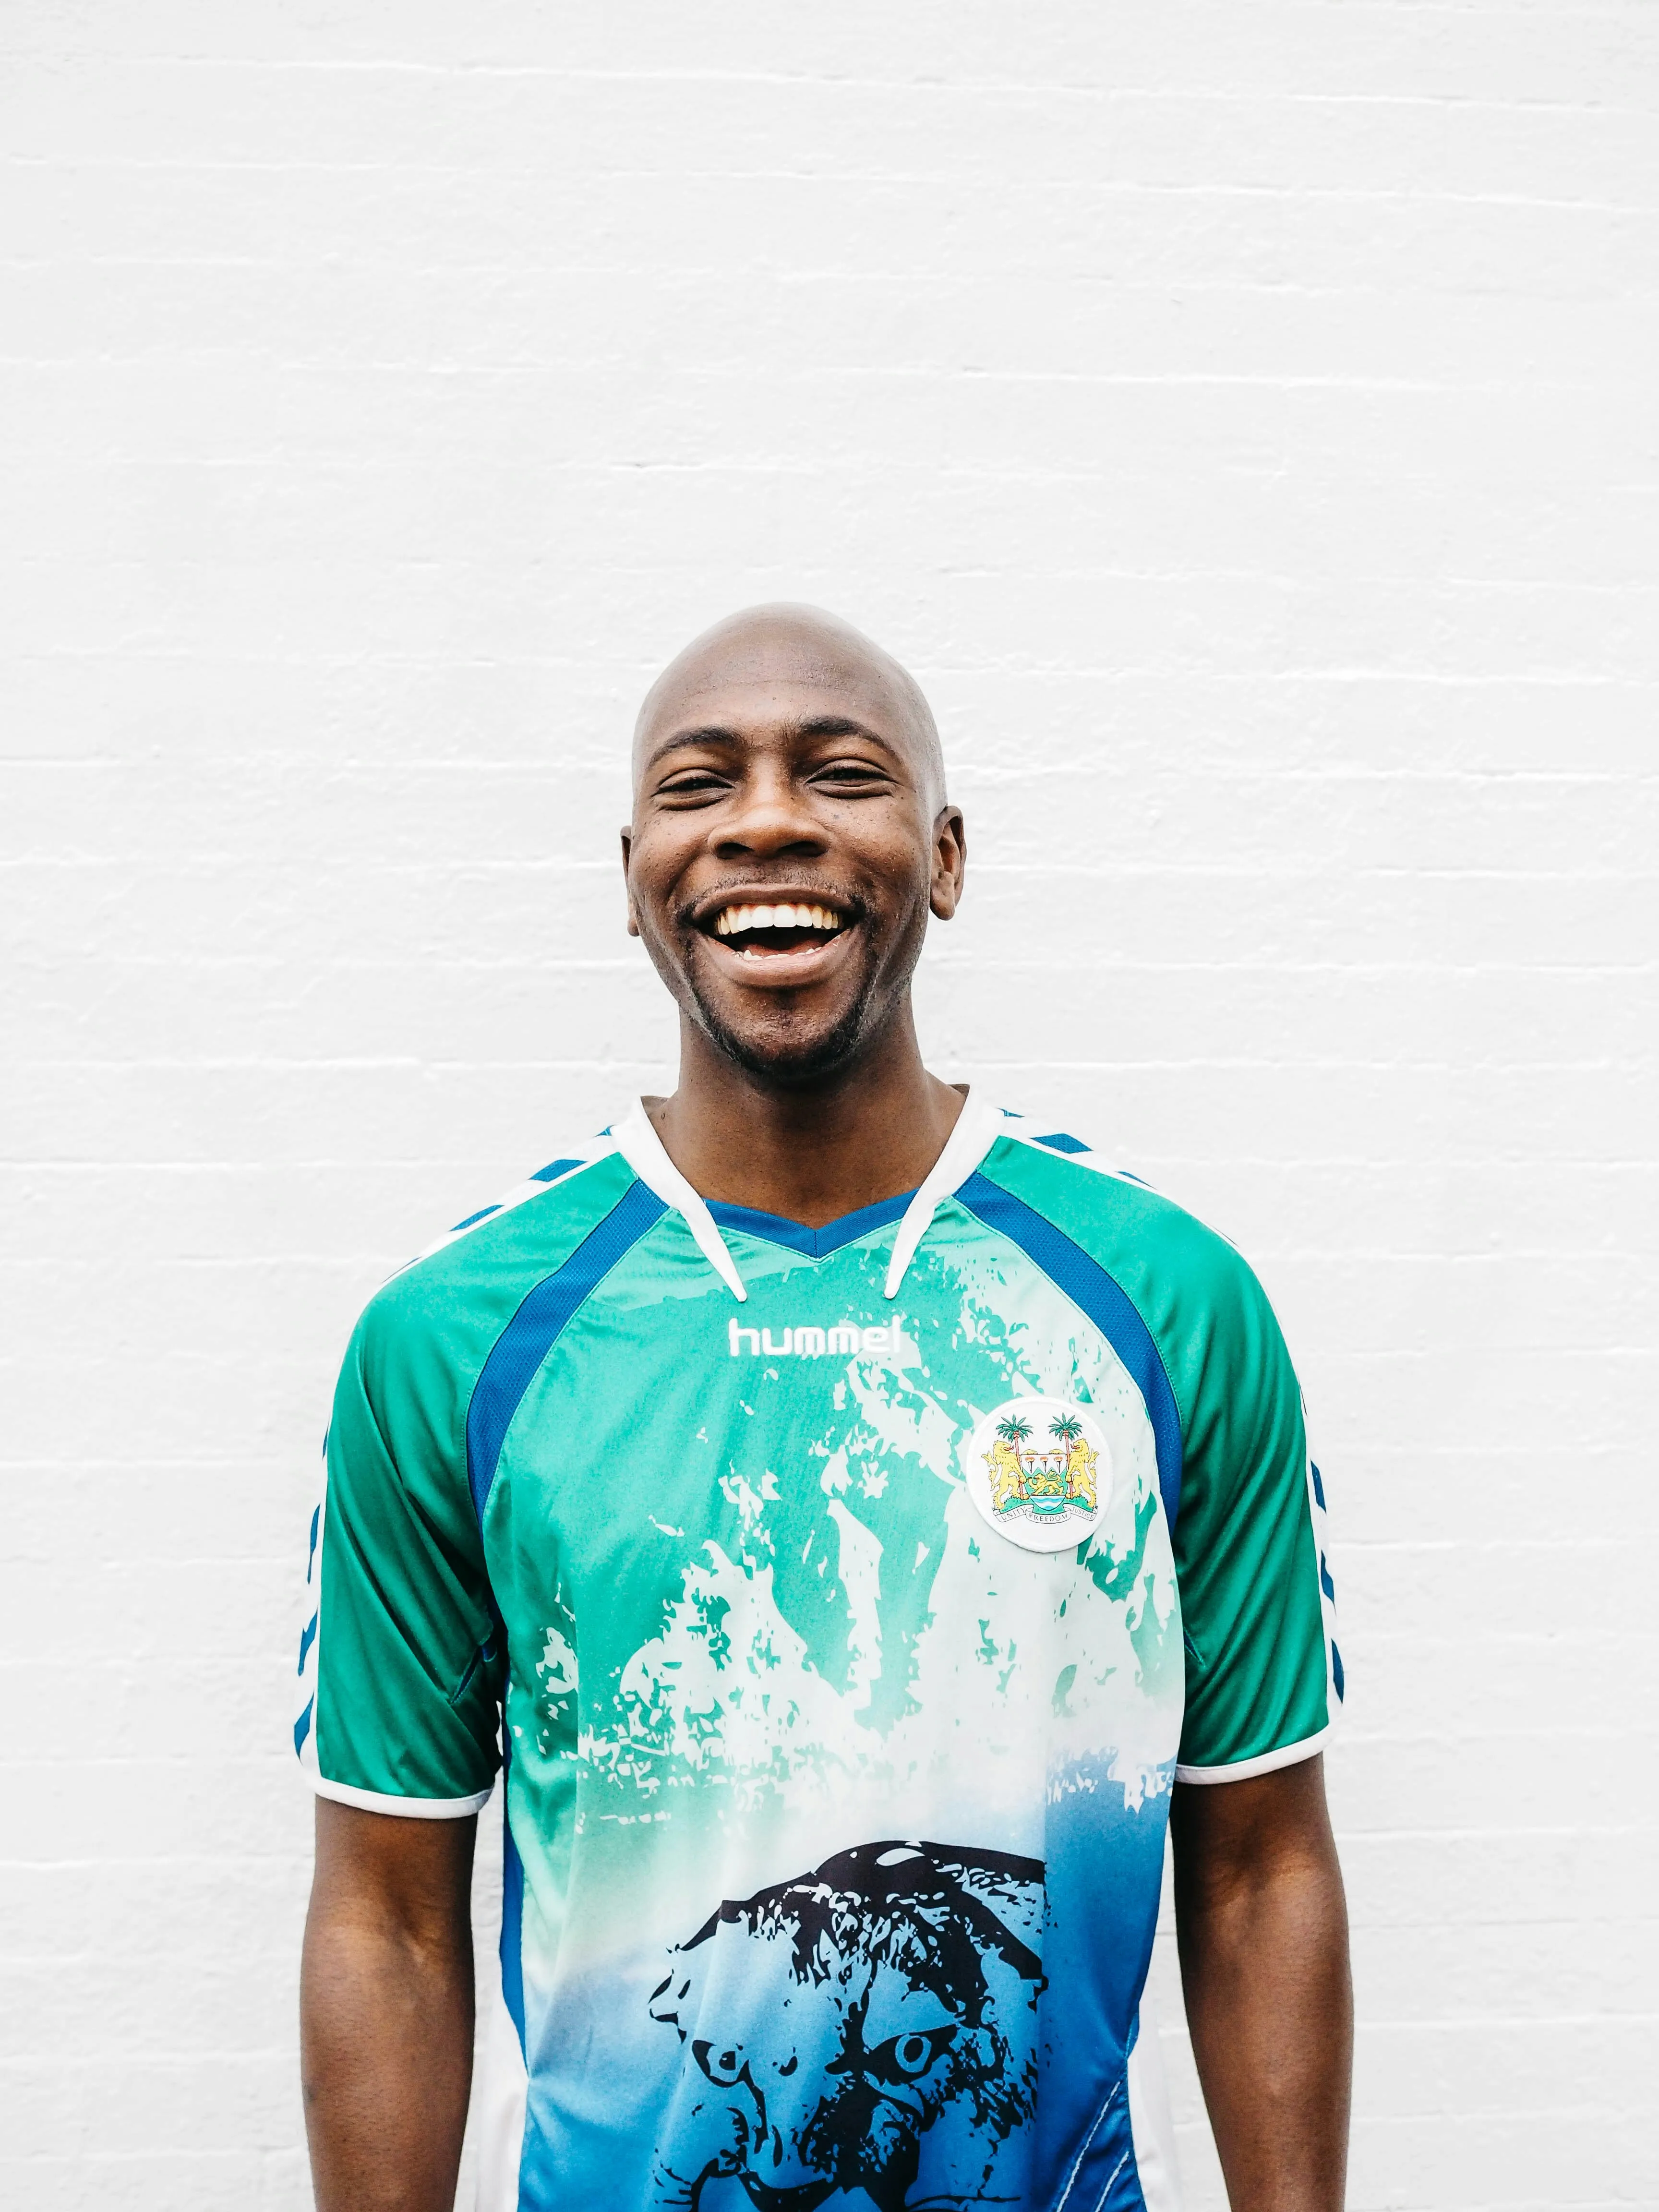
(1268, 1762)
(407, 1808)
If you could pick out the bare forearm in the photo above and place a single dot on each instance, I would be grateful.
(385, 2030)
(1264, 1957)
(387, 2053)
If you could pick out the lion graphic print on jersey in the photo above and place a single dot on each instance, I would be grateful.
(836, 2022)
(946, 1567)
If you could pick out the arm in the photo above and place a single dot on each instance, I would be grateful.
(386, 2009)
(1263, 1935)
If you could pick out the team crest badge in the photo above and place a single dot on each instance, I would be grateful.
(1039, 1471)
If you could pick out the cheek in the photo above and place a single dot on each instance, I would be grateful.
(902, 879)
(659, 859)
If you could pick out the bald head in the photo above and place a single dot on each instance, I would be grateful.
(786, 650)
(790, 841)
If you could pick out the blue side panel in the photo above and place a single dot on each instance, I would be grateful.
(1108, 1305)
(1338, 1682)
(1319, 1486)
(817, 1244)
(555, 1169)
(1104, 2177)
(522, 1346)
(512, 1899)
(307, 1637)
(303, 1726)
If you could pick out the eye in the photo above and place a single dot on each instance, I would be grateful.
(907, 2056)
(850, 775)
(692, 784)
(721, 2063)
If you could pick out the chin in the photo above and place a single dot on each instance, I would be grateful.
(790, 1056)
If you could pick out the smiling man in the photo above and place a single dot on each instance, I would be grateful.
(862, 1522)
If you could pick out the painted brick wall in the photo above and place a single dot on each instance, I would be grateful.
(1244, 420)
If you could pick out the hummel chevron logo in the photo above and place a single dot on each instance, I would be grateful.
(847, 1339)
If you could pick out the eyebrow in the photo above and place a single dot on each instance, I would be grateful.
(810, 726)
(837, 725)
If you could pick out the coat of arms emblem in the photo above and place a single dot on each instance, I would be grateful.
(1038, 1469)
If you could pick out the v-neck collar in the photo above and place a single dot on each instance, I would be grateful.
(796, 1236)
(969, 1140)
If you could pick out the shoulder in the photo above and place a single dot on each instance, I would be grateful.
(1198, 1296)
(454, 1296)
(1118, 1217)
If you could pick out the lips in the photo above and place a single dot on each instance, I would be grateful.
(776, 927)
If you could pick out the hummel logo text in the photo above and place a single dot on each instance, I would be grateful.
(846, 1340)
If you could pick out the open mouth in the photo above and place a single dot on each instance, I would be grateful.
(762, 932)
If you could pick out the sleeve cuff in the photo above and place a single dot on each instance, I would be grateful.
(1266, 1762)
(406, 1808)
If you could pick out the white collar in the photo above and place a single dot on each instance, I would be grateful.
(965, 1147)
(642, 1148)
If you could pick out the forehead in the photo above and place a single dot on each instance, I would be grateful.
(759, 687)
(766, 702)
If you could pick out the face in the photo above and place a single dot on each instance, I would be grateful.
(838, 2041)
(788, 844)
(835, 2083)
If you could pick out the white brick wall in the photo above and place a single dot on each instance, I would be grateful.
(1244, 419)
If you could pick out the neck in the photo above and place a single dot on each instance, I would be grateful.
(870, 1132)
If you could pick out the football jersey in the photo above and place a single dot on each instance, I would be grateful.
(840, 1605)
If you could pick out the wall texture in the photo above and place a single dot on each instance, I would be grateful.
(1246, 422)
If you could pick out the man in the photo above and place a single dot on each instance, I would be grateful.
(880, 1519)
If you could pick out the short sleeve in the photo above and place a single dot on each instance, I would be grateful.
(1257, 1595)
(400, 1652)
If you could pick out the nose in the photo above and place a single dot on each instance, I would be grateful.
(770, 821)
(802, 2123)
(777, 2158)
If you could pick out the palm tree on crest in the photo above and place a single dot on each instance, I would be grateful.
(1014, 1431)
(1067, 1427)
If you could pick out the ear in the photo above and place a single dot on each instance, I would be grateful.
(950, 862)
(626, 854)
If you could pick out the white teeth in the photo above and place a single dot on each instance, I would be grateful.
(735, 921)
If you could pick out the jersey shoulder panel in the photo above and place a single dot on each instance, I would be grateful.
(539, 1221)
(427, 1334)
(1185, 1278)
(424, 1336)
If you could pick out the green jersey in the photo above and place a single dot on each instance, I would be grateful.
(842, 1605)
